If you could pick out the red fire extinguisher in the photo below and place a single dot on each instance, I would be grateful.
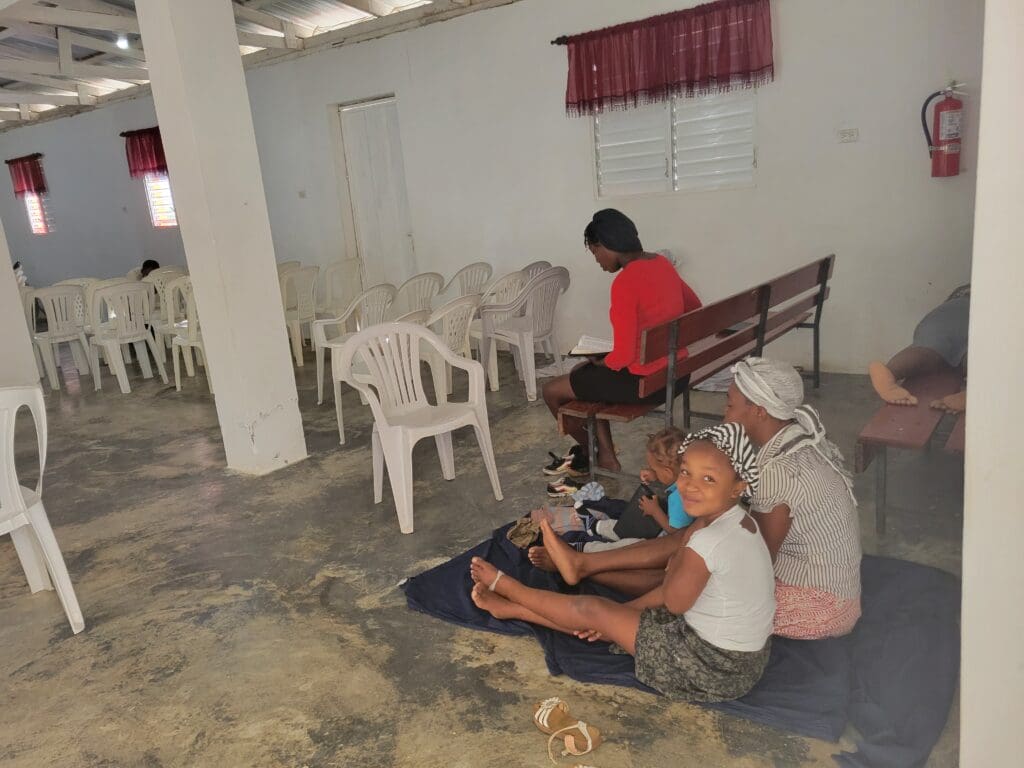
(944, 139)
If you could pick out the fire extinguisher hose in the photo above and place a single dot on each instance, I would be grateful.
(924, 119)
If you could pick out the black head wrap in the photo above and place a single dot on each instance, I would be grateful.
(614, 230)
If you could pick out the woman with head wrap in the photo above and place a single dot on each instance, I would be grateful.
(646, 291)
(703, 632)
(804, 502)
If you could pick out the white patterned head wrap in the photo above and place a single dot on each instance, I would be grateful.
(778, 388)
(731, 439)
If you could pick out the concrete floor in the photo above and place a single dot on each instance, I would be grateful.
(239, 621)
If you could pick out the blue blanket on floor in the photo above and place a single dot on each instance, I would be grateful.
(893, 678)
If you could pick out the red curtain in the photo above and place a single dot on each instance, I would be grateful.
(27, 175)
(712, 47)
(145, 152)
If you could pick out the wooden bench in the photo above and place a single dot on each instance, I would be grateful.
(908, 427)
(716, 336)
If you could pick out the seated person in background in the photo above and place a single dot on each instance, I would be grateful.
(940, 344)
(148, 266)
(703, 634)
(804, 505)
(647, 291)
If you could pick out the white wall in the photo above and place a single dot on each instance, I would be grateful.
(992, 674)
(496, 170)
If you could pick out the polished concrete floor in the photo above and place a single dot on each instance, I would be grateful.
(240, 621)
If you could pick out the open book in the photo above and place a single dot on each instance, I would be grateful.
(591, 345)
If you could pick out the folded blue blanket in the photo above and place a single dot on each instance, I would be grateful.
(893, 678)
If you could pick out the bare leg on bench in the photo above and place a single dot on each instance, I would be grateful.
(556, 393)
(912, 361)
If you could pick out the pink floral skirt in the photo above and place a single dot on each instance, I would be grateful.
(806, 613)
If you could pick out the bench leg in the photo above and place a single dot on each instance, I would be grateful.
(880, 483)
(817, 355)
(592, 444)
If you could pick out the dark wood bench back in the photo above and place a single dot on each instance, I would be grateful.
(762, 310)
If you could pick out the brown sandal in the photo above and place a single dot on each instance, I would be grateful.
(553, 718)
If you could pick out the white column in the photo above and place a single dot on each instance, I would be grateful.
(17, 365)
(205, 120)
(992, 669)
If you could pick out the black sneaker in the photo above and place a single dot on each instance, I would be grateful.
(559, 464)
(566, 486)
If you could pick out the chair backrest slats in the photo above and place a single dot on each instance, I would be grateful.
(374, 304)
(64, 307)
(471, 278)
(418, 291)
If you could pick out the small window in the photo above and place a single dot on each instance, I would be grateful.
(687, 144)
(161, 204)
(38, 214)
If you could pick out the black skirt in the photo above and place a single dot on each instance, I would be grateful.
(598, 384)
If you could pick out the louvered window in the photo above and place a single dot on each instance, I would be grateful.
(161, 204)
(686, 144)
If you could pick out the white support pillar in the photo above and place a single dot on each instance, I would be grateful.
(992, 668)
(17, 365)
(206, 124)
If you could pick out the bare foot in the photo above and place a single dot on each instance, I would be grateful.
(484, 573)
(540, 559)
(952, 403)
(492, 602)
(562, 556)
(887, 387)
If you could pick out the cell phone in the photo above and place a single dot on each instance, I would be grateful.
(648, 491)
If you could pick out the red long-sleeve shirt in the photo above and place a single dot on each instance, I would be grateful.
(646, 292)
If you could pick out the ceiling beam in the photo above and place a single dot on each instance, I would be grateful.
(96, 6)
(29, 97)
(268, 21)
(268, 41)
(78, 69)
(59, 17)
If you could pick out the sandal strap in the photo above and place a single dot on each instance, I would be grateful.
(496, 580)
(543, 713)
(567, 751)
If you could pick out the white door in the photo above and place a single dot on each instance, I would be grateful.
(376, 182)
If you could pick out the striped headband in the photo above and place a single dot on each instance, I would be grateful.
(731, 439)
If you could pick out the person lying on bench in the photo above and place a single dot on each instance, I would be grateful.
(646, 292)
(940, 345)
(704, 634)
(804, 505)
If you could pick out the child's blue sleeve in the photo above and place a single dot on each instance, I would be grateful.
(677, 516)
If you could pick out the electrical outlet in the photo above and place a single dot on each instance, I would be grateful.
(848, 135)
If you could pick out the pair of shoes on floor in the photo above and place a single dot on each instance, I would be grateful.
(552, 717)
(565, 486)
(574, 464)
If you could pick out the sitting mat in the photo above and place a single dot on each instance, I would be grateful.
(893, 678)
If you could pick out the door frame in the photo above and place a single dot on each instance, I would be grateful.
(348, 219)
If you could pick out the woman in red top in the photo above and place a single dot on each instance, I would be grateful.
(646, 291)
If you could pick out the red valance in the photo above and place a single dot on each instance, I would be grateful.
(709, 48)
(27, 175)
(145, 152)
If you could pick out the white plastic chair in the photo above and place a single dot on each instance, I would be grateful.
(528, 319)
(28, 303)
(301, 284)
(128, 306)
(390, 358)
(503, 290)
(471, 278)
(418, 292)
(188, 335)
(21, 509)
(63, 307)
(419, 317)
(368, 308)
(172, 311)
(535, 268)
(451, 324)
